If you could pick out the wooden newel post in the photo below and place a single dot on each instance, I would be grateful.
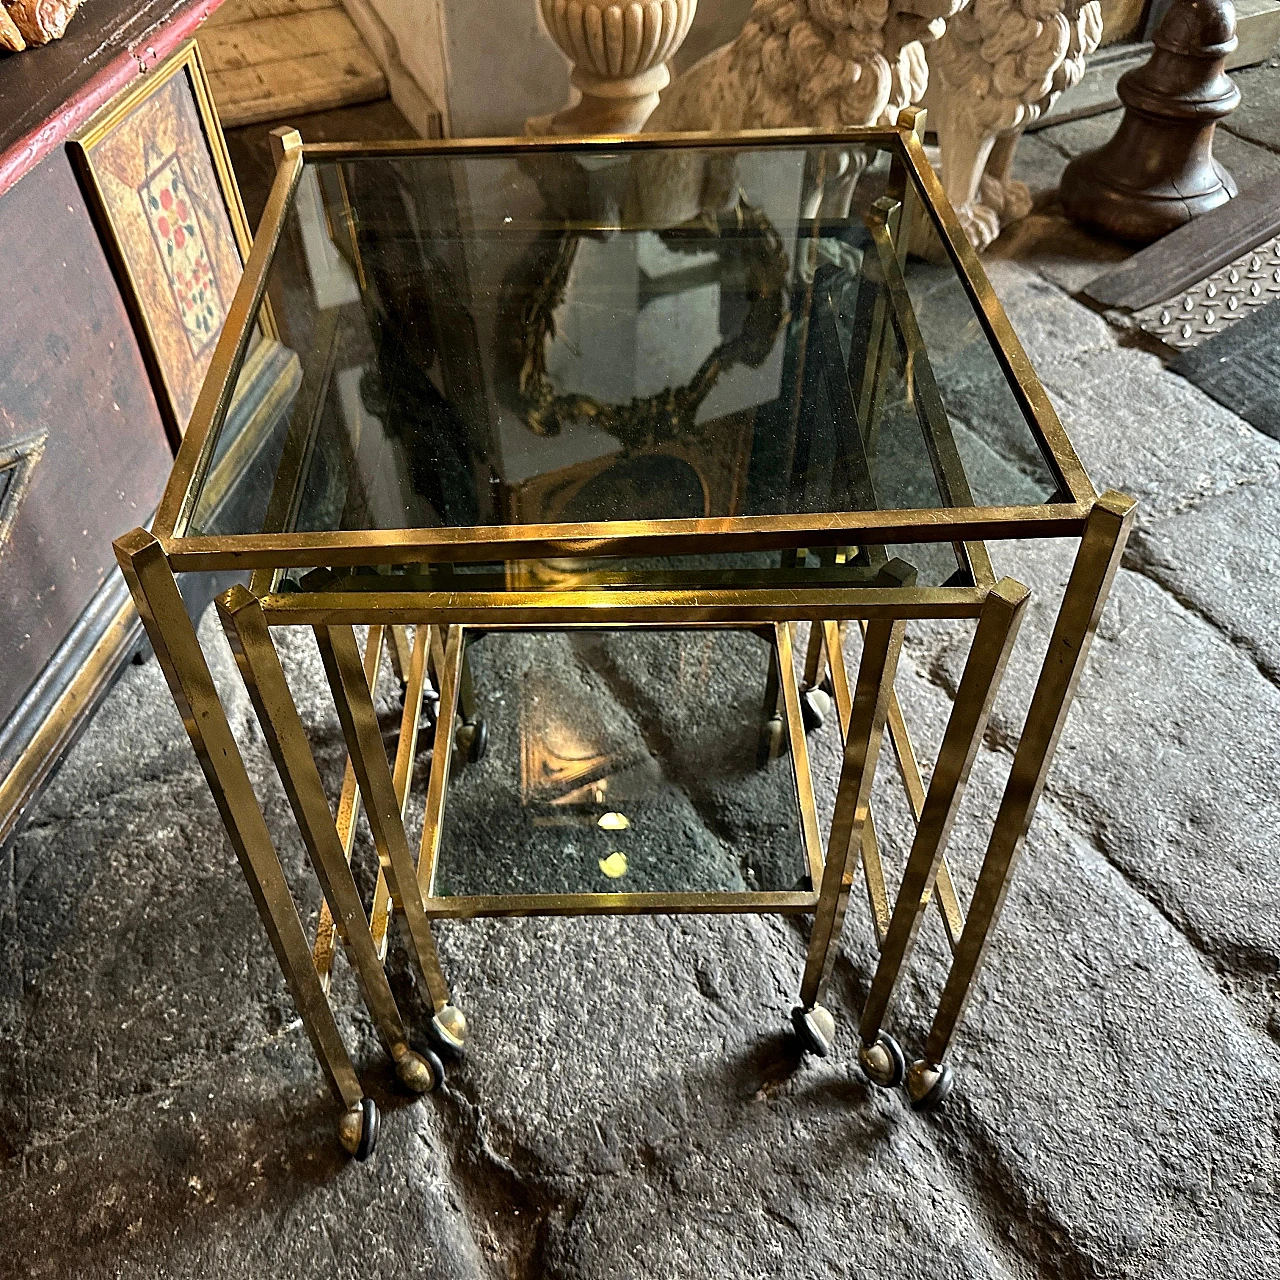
(1158, 171)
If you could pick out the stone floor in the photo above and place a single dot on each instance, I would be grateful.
(631, 1106)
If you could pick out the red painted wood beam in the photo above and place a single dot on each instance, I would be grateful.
(135, 59)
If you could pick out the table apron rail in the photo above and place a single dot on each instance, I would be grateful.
(551, 609)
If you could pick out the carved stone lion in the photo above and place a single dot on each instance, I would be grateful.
(822, 63)
(1001, 65)
(996, 66)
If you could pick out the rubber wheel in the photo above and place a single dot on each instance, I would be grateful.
(473, 738)
(448, 1048)
(815, 707)
(368, 1130)
(434, 1061)
(938, 1092)
(773, 741)
(430, 707)
(815, 1029)
(897, 1072)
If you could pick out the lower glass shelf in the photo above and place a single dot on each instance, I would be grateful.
(623, 762)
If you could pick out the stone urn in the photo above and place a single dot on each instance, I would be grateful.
(619, 52)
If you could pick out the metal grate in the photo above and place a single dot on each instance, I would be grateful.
(1218, 301)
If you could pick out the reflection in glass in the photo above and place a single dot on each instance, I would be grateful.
(621, 762)
(570, 338)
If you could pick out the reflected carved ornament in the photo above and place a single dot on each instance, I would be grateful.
(647, 421)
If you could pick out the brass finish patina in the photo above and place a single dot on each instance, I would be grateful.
(519, 559)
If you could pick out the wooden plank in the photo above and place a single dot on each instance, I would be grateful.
(262, 41)
(1192, 252)
(234, 11)
(281, 89)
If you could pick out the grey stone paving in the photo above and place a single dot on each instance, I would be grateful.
(632, 1106)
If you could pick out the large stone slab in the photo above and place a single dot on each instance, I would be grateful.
(1050, 244)
(234, 1173)
(1091, 1111)
(1258, 115)
(1003, 463)
(1094, 1105)
(1165, 753)
(1038, 163)
(131, 739)
(642, 1069)
(1222, 560)
(1153, 435)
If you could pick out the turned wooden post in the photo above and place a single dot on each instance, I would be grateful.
(1158, 171)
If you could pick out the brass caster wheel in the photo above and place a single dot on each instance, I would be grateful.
(420, 1072)
(815, 707)
(472, 739)
(773, 740)
(358, 1129)
(929, 1085)
(449, 1032)
(882, 1061)
(815, 1029)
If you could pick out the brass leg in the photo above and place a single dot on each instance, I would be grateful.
(909, 770)
(406, 753)
(772, 731)
(449, 664)
(177, 650)
(799, 752)
(348, 812)
(259, 663)
(466, 692)
(814, 657)
(873, 871)
(997, 628)
(341, 658)
(880, 653)
(401, 653)
(1094, 571)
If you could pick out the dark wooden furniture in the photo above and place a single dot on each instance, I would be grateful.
(1158, 171)
(83, 450)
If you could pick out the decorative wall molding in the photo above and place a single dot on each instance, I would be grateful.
(422, 108)
(17, 462)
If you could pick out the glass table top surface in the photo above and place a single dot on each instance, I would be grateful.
(568, 337)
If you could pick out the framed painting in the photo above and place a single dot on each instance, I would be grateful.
(155, 167)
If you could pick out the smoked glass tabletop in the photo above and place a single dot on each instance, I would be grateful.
(473, 340)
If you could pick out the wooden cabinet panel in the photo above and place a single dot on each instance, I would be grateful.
(70, 372)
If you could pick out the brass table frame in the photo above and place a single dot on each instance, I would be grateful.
(866, 706)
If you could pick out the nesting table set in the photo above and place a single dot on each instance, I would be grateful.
(484, 398)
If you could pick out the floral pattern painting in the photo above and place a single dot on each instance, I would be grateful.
(180, 241)
(169, 221)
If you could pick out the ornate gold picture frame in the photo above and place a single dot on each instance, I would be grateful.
(158, 177)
